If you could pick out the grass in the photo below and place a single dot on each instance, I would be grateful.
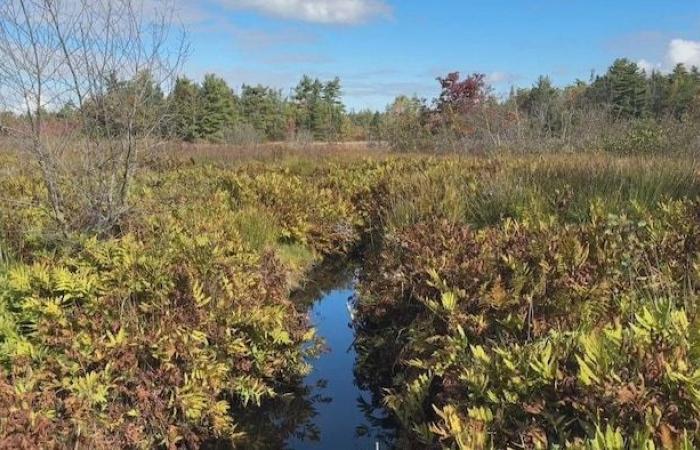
(257, 227)
(229, 155)
(483, 191)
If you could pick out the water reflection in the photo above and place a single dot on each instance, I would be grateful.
(275, 421)
(341, 421)
(328, 409)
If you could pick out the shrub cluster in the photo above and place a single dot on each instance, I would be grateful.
(151, 337)
(531, 301)
(539, 333)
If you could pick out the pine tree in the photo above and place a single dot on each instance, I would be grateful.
(185, 103)
(542, 103)
(375, 128)
(682, 91)
(657, 94)
(263, 108)
(218, 108)
(333, 110)
(319, 107)
(307, 96)
(627, 89)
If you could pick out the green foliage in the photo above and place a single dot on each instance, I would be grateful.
(319, 108)
(605, 113)
(404, 127)
(214, 112)
(683, 91)
(134, 105)
(515, 301)
(545, 105)
(218, 107)
(185, 110)
(626, 88)
(643, 137)
(264, 109)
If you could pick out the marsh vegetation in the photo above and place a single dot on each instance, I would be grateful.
(554, 297)
(526, 268)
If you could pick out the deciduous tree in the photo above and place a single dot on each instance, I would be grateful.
(107, 58)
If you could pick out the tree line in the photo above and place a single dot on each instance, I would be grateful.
(467, 112)
(213, 111)
(624, 109)
(625, 90)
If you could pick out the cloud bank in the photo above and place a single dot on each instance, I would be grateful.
(678, 51)
(681, 51)
(343, 12)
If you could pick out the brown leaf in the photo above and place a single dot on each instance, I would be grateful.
(666, 436)
(626, 394)
(534, 408)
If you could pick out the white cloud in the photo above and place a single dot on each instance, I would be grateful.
(649, 66)
(681, 51)
(501, 77)
(317, 11)
(678, 51)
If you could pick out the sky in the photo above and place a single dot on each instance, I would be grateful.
(384, 48)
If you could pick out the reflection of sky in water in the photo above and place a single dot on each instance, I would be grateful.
(337, 420)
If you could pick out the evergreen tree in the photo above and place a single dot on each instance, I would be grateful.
(217, 108)
(657, 94)
(542, 103)
(147, 102)
(626, 89)
(319, 107)
(333, 111)
(134, 105)
(264, 109)
(364, 125)
(185, 113)
(307, 97)
(375, 128)
(682, 91)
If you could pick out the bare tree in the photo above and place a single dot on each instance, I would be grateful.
(104, 64)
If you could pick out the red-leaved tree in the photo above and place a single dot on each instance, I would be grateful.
(461, 96)
(455, 109)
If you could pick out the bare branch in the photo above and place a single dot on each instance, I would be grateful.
(108, 63)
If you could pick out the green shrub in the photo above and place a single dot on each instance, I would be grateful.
(492, 271)
(641, 137)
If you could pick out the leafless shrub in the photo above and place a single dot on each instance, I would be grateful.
(242, 134)
(302, 139)
(85, 78)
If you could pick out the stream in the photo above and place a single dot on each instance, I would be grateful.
(343, 416)
(326, 410)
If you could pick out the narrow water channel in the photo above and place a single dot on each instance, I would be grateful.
(342, 418)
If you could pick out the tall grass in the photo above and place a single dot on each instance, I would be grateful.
(483, 191)
(257, 227)
(232, 155)
(4, 256)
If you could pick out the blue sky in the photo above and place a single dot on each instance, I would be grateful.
(383, 48)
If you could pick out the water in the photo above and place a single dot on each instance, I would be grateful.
(326, 410)
(342, 418)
